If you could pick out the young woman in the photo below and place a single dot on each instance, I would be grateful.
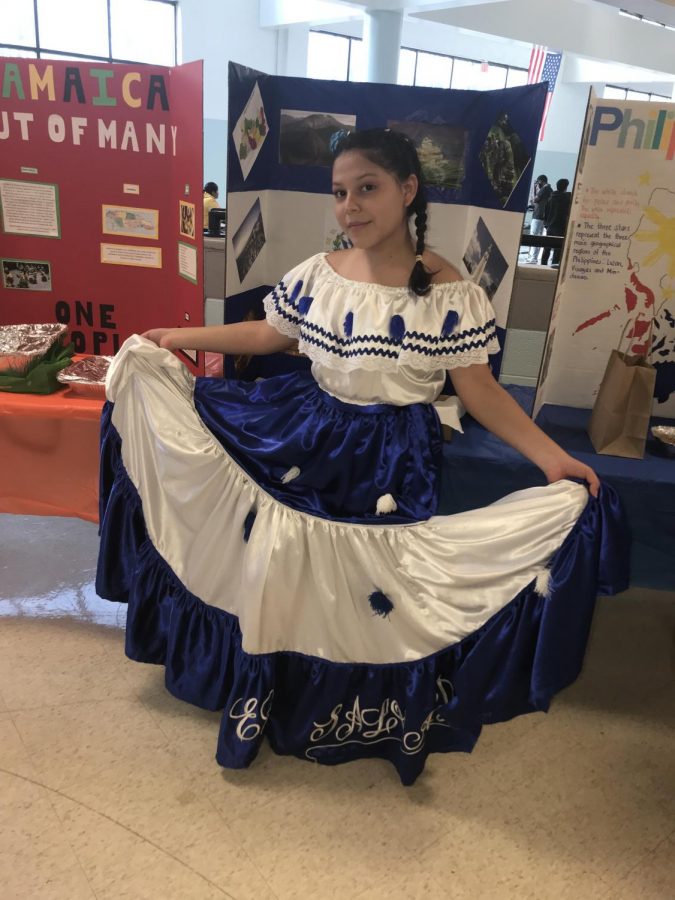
(278, 542)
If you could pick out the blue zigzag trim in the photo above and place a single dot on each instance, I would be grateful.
(372, 338)
(447, 351)
(394, 354)
(345, 354)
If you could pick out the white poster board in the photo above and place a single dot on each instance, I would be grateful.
(618, 270)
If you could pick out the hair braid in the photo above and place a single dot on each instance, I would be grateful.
(420, 277)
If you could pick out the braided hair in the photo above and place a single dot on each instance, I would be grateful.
(395, 153)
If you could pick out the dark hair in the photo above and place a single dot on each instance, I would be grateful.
(542, 178)
(395, 153)
(211, 187)
(562, 184)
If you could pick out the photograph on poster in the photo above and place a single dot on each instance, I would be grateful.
(26, 274)
(484, 260)
(503, 157)
(130, 221)
(186, 219)
(441, 149)
(187, 262)
(250, 131)
(124, 255)
(30, 208)
(248, 240)
(304, 137)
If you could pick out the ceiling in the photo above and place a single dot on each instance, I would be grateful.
(659, 10)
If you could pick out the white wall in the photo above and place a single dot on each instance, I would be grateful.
(219, 31)
(222, 31)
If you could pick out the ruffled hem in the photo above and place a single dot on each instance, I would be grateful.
(332, 712)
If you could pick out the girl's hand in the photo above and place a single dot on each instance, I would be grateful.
(566, 466)
(159, 336)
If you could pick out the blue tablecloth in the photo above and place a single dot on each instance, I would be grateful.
(479, 468)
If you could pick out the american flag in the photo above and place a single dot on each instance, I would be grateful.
(537, 58)
(544, 66)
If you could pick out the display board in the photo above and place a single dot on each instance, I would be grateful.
(476, 149)
(617, 275)
(100, 197)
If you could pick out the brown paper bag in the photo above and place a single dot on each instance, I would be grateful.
(620, 419)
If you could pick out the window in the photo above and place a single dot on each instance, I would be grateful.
(433, 70)
(358, 64)
(99, 30)
(143, 30)
(74, 26)
(344, 58)
(406, 66)
(18, 23)
(492, 77)
(612, 92)
(516, 77)
(328, 56)
(10, 51)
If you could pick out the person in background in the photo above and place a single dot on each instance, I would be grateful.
(556, 218)
(210, 199)
(541, 194)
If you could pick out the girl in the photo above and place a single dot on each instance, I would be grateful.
(278, 542)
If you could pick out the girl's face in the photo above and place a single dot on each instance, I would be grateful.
(370, 203)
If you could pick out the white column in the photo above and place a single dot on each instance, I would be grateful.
(382, 38)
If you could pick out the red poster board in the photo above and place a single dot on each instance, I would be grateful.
(100, 198)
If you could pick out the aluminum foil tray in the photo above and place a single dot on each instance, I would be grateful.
(86, 377)
(21, 345)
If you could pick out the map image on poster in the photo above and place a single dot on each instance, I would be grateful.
(647, 313)
(250, 131)
(441, 149)
(131, 221)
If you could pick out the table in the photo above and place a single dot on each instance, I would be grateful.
(49, 454)
(479, 468)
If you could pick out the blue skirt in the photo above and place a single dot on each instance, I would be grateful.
(348, 456)
(239, 522)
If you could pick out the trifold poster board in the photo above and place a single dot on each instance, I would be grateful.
(476, 149)
(100, 198)
(617, 275)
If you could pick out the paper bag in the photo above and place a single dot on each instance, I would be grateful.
(620, 419)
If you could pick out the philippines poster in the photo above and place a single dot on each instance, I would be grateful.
(617, 278)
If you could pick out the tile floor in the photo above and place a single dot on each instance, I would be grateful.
(109, 789)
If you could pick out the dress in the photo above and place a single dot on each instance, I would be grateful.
(280, 550)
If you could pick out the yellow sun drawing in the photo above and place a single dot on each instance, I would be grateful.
(663, 236)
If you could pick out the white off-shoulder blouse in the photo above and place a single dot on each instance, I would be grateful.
(371, 343)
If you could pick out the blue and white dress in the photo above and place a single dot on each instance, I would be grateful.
(281, 553)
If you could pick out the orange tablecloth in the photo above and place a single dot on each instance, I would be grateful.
(49, 455)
